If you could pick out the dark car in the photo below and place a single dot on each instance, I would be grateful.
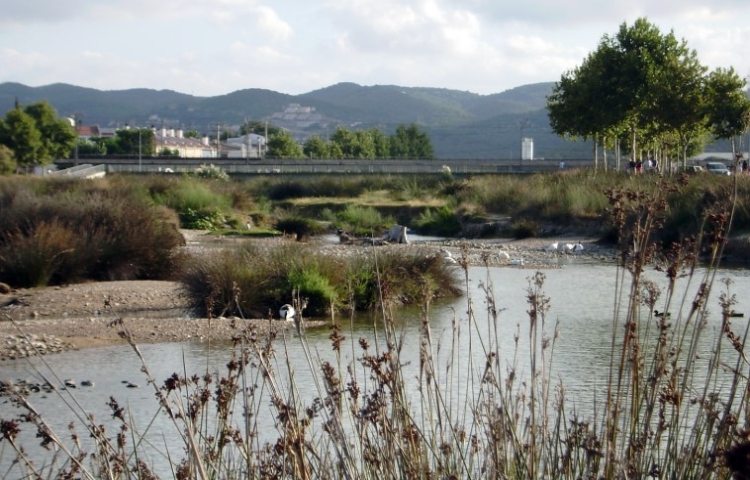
(717, 168)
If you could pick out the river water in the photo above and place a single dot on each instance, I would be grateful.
(581, 303)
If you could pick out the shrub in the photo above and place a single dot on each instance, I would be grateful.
(79, 231)
(362, 220)
(524, 228)
(203, 219)
(439, 221)
(34, 257)
(301, 228)
(310, 283)
(248, 281)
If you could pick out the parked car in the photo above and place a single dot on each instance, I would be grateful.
(717, 168)
(692, 169)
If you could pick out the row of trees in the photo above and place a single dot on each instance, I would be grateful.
(644, 91)
(408, 141)
(33, 135)
(128, 141)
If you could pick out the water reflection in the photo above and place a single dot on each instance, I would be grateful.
(582, 298)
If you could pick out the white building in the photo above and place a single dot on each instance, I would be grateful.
(247, 146)
(175, 140)
(527, 148)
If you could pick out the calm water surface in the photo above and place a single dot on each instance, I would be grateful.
(582, 299)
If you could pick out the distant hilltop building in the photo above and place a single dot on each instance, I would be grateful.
(298, 116)
(527, 148)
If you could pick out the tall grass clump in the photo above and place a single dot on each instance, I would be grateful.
(442, 221)
(82, 231)
(254, 282)
(361, 220)
(197, 204)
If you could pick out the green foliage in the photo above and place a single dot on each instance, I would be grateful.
(133, 141)
(197, 205)
(57, 135)
(7, 161)
(93, 146)
(644, 86)
(19, 133)
(283, 145)
(201, 219)
(361, 220)
(410, 141)
(309, 283)
(728, 108)
(250, 282)
(168, 152)
(316, 147)
(441, 221)
(36, 135)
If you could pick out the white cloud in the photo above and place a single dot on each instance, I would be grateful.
(215, 47)
(271, 24)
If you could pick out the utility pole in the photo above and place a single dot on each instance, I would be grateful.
(218, 140)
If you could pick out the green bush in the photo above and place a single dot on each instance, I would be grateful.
(309, 283)
(362, 220)
(251, 282)
(203, 219)
(438, 221)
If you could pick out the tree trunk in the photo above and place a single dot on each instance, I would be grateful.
(596, 153)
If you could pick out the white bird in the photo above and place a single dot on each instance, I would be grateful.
(447, 256)
(503, 254)
(517, 261)
(552, 247)
(569, 248)
(578, 247)
(286, 312)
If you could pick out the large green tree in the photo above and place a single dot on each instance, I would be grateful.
(283, 145)
(132, 141)
(36, 135)
(641, 86)
(57, 134)
(411, 142)
(316, 147)
(18, 132)
(727, 105)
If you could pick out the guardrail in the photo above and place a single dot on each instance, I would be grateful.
(343, 166)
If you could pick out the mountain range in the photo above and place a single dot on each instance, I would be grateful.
(460, 124)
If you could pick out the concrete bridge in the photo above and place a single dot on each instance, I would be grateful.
(251, 167)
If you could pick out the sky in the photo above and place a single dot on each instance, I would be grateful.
(215, 47)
